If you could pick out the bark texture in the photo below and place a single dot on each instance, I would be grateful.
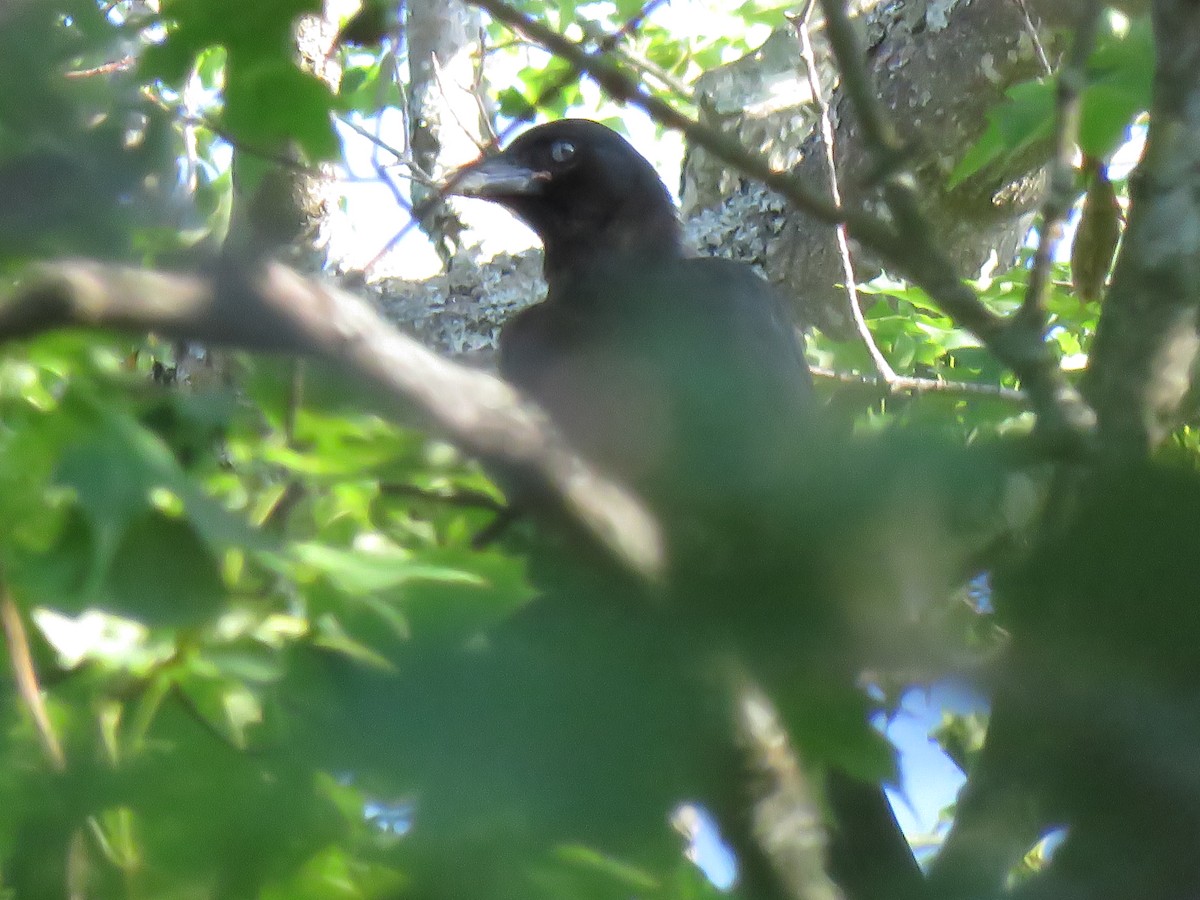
(446, 112)
(939, 67)
(287, 211)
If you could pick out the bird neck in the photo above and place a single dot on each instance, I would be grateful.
(569, 257)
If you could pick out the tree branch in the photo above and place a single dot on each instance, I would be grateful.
(271, 308)
(768, 812)
(912, 385)
(25, 675)
(1072, 78)
(623, 88)
(882, 367)
(1035, 37)
(1147, 341)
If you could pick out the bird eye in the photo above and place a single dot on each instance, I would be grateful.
(562, 151)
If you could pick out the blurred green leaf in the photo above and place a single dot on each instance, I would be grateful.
(255, 114)
(1024, 118)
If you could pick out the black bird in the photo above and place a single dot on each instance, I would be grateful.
(685, 378)
(681, 376)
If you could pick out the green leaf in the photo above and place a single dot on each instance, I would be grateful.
(328, 634)
(118, 469)
(272, 103)
(252, 33)
(162, 573)
(357, 572)
(1025, 117)
(1120, 75)
(226, 704)
(831, 726)
(513, 104)
(1120, 78)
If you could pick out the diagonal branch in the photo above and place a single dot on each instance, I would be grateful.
(769, 811)
(25, 675)
(272, 308)
(729, 150)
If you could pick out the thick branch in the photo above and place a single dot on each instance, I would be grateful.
(769, 813)
(1147, 340)
(272, 308)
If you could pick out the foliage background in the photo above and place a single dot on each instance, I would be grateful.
(253, 650)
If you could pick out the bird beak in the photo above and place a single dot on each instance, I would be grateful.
(495, 177)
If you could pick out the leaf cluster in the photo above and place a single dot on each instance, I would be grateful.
(268, 658)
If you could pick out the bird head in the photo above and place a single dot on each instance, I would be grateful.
(582, 188)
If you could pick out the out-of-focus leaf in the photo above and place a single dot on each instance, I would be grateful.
(116, 465)
(227, 705)
(258, 113)
(360, 572)
(373, 22)
(335, 874)
(1120, 73)
(1025, 117)
(161, 573)
(1120, 76)
(251, 33)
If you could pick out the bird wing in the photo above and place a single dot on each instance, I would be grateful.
(680, 376)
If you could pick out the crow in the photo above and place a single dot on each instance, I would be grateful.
(681, 376)
(685, 378)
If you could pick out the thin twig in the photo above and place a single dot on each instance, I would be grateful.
(376, 137)
(26, 678)
(1072, 79)
(416, 173)
(882, 366)
(1035, 37)
(604, 44)
(384, 177)
(910, 384)
(124, 64)
(185, 118)
(672, 84)
(439, 78)
(418, 210)
(477, 89)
